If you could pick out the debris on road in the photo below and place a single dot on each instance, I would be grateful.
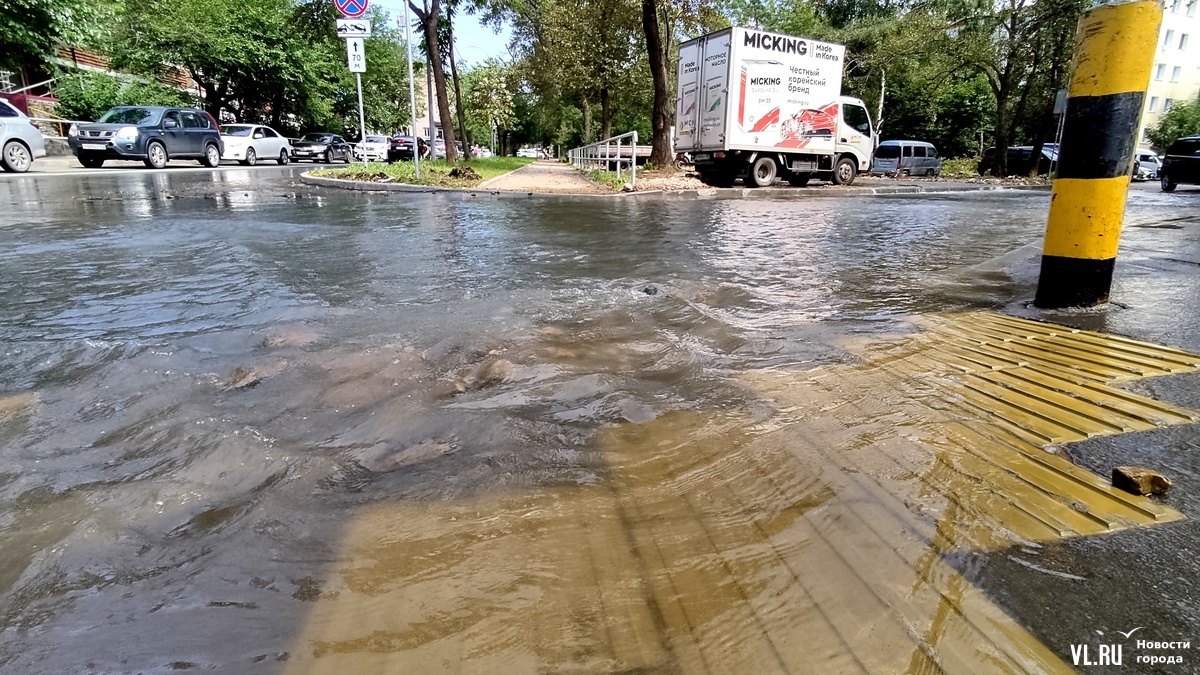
(1140, 481)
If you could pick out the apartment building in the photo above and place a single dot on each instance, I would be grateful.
(1175, 76)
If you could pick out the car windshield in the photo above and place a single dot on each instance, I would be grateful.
(376, 139)
(236, 130)
(888, 151)
(316, 138)
(1187, 147)
(139, 116)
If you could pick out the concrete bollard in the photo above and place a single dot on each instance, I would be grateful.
(1100, 135)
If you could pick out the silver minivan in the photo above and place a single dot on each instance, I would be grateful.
(906, 158)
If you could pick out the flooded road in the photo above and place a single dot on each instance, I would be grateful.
(252, 426)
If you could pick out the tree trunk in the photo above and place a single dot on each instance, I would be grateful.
(429, 23)
(1000, 158)
(462, 117)
(660, 153)
(882, 93)
(606, 130)
(587, 122)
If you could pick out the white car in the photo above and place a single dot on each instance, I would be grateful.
(1148, 165)
(373, 148)
(529, 152)
(21, 141)
(248, 143)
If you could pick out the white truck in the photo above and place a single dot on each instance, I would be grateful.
(759, 106)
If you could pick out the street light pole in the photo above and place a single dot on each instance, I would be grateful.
(428, 81)
(412, 97)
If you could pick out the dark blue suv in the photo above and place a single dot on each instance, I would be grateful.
(152, 134)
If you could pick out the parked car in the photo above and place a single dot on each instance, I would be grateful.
(153, 134)
(1181, 165)
(529, 152)
(1147, 166)
(1020, 160)
(321, 147)
(247, 143)
(439, 148)
(483, 153)
(400, 148)
(906, 158)
(372, 147)
(21, 141)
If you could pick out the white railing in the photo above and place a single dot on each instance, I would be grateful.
(609, 154)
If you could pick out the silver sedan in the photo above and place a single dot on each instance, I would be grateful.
(20, 140)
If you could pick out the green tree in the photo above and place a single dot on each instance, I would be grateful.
(1182, 120)
(31, 29)
(490, 99)
(86, 95)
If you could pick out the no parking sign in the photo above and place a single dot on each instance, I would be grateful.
(351, 9)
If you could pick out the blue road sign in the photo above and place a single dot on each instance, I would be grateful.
(351, 9)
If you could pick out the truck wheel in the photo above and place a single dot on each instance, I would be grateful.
(91, 162)
(1167, 184)
(799, 180)
(762, 173)
(844, 171)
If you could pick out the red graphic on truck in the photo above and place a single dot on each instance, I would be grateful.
(765, 121)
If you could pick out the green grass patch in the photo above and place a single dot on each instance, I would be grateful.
(961, 167)
(608, 178)
(436, 173)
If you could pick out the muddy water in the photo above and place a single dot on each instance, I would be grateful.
(253, 427)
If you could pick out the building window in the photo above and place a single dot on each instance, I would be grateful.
(1176, 72)
(1160, 71)
(1191, 8)
(1167, 105)
(1183, 41)
(1175, 6)
(1153, 104)
(1169, 38)
(1146, 135)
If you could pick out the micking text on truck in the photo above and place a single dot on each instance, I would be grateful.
(760, 106)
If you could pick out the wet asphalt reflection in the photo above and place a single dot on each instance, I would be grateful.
(253, 426)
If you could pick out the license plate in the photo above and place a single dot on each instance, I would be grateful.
(93, 146)
(704, 155)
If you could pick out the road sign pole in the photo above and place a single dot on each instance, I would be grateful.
(412, 97)
(362, 126)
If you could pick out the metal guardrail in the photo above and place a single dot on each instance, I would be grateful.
(609, 155)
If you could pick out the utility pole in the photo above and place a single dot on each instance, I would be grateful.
(1099, 142)
(429, 87)
(412, 97)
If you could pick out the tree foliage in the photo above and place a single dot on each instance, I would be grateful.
(1183, 119)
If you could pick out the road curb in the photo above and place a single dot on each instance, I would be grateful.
(754, 194)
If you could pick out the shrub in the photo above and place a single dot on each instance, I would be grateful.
(86, 95)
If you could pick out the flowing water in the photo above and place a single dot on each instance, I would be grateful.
(251, 426)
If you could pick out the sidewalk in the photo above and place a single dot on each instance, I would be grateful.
(545, 176)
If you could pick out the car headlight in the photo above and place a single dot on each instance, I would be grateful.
(73, 130)
(127, 132)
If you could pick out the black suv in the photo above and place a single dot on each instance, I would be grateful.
(1020, 160)
(152, 134)
(1182, 164)
(400, 148)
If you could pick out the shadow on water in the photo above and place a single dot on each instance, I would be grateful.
(245, 422)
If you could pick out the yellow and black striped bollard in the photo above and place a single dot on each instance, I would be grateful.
(1114, 52)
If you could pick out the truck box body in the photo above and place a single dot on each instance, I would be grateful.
(754, 91)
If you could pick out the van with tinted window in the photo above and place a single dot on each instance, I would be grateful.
(906, 158)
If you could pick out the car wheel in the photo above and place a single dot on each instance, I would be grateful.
(156, 155)
(763, 172)
(346, 158)
(930, 173)
(1167, 184)
(329, 157)
(91, 162)
(903, 173)
(212, 156)
(283, 157)
(844, 171)
(251, 157)
(16, 158)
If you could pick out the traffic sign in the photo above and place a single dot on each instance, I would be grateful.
(348, 28)
(351, 9)
(356, 60)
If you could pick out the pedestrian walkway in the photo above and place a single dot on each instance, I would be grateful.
(546, 176)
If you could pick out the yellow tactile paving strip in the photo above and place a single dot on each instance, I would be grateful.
(810, 540)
